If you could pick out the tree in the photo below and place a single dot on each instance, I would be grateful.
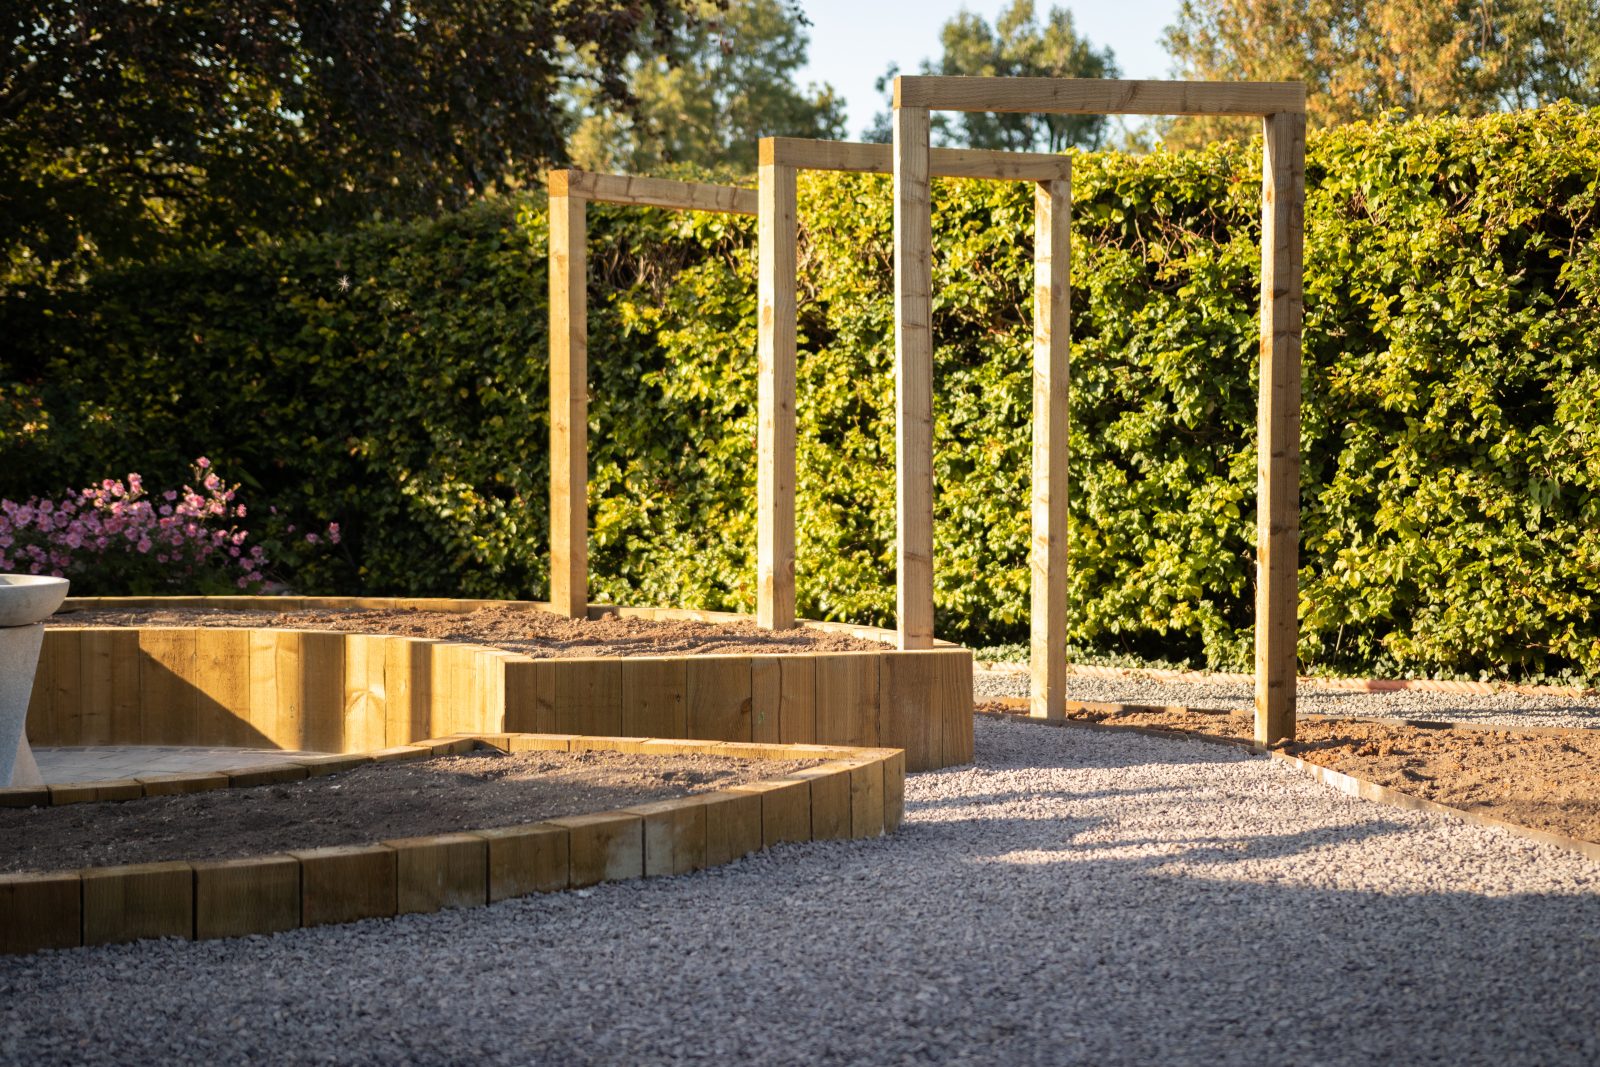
(705, 106)
(1017, 46)
(127, 129)
(1359, 58)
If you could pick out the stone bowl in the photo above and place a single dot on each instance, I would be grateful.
(28, 598)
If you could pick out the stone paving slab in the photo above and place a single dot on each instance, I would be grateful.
(108, 762)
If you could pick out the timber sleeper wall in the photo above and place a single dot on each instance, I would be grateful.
(858, 793)
(326, 691)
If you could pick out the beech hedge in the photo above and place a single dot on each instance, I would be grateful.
(393, 380)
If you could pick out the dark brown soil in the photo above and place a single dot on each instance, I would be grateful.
(376, 802)
(516, 629)
(1548, 780)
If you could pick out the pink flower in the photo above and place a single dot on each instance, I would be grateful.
(244, 583)
(202, 463)
(312, 539)
(212, 481)
(170, 495)
(144, 545)
(333, 532)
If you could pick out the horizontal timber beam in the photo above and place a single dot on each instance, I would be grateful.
(803, 154)
(1098, 96)
(653, 192)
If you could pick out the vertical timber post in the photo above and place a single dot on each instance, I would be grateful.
(569, 401)
(1052, 347)
(913, 378)
(1283, 189)
(775, 446)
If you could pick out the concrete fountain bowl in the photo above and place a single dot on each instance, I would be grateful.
(25, 602)
(29, 598)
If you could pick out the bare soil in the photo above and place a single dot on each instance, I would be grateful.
(1545, 779)
(530, 632)
(376, 802)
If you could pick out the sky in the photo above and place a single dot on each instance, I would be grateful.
(854, 41)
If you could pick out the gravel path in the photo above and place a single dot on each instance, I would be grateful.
(1076, 897)
(1500, 709)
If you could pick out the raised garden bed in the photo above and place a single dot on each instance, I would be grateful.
(223, 891)
(334, 690)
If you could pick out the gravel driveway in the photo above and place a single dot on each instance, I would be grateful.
(1075, 897)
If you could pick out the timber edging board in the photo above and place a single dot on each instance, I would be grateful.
(336, 692)
(1348, 784)
(857, 793)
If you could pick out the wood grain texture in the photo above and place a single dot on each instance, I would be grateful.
(909, 716)
(654, 697)
(530, 695)
(39, 911)
(587, 697)
(605, 847)
(913, 377)
(408, 685)
(803, 154)
(653, 192)
(345, 883)
(733, 825)
(1098, 96)
(719, 698)
(440, 871)
(775, 398)
(322, 692)
(255, 895)
(275, 702)
(1052, 348)
(222, 679)
(952, 695)
(569, 407)
(136, 901)
(168, 698)
(674, 836)
(59, 675)
(847, 699)
(366, 687)
(109, 686)
(1283, 192)
(526, 859)
(783, 692)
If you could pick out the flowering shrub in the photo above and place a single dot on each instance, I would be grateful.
(115, 538)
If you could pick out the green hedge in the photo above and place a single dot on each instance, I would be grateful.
(394, 380)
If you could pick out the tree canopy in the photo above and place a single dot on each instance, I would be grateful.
(703, 105)
(128, 130)
(1018, 45)
(1360, 58)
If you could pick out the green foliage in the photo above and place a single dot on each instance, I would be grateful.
(704, 103)
(1016, 46)
(1451, 475)
(129, 130)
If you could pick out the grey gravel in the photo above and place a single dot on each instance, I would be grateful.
(1075, 897)
(1497, 709)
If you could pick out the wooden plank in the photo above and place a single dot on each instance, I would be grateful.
(894, 791)
(775, 399)
(408, 686)
(604, 847)
(913, 379)
(674, 836)
(365, 696)
(952, 696)
(733, 825)
(530, 696)
(909, 716)
(136, 901)
(830, 801)
(652, 192)
(222, 678)
(719, 698)
(526, 859)
(255, 895)
(169, 701)
(322, 692)
(587, 697)
(569, 405)
(803, 154)
(1097, 96)
(345, 883)
(1052, 350)
(438, 872)
(866, 799)
(654, 697)
(39, 911)
(848, 699)
(109, 687)
(783, 691)
(785, 809)
(59, 671)
(1283, 193)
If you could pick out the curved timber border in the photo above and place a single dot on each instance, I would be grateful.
(332, 691)
(857, 793)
